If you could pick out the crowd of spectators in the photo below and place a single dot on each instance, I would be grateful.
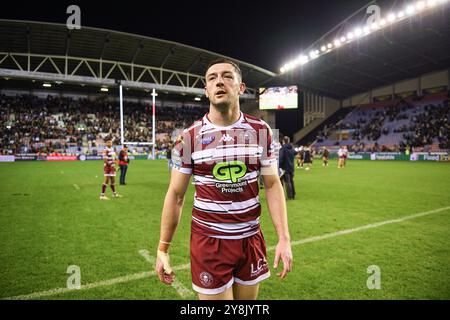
(431, 125)
(30, 124)
(426, 125)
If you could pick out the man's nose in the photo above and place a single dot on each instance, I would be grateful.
(219, 80)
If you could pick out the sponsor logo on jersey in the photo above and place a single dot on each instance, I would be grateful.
(208, 140)
(233, 171)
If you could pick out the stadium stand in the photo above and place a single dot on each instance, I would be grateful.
(422, 124)
(66, 125)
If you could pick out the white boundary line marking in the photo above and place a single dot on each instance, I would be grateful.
(142, 275)
(182, 291)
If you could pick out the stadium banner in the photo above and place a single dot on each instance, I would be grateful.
(61, 158)
(26, 157)
(389, 156)
(432, 156)
(359, 156)
(7, 159)
(83, 157)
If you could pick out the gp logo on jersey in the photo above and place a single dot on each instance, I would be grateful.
(233, 171)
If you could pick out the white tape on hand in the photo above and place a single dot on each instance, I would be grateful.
(165, 259)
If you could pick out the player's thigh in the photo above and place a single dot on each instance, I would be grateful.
(243, 292)
(106, 180)
(226, 295)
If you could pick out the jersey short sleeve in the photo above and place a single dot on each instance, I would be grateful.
(269, 156)
(181, 154)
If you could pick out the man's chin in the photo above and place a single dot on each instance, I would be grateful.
(221, 105)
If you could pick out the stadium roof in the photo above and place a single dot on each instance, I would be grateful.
(415, 46)
(40, 38)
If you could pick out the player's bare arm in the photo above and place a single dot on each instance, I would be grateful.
(277, 209)
(171, 214)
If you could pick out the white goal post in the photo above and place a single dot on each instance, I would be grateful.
(122, 139)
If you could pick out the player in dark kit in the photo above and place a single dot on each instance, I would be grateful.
(325, 156)
(124, 161)
(307, 158)
(225, 152)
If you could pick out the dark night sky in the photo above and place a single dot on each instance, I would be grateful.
(263, 33)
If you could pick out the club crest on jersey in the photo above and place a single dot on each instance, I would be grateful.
(206, 279)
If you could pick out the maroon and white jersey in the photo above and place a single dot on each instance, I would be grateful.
(110, 155)
(225, 163)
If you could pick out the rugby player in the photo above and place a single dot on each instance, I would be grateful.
(109, 170)
(225, 152)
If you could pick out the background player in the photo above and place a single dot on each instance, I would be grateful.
(109, 170)
(341, 157)
(307, 157)
(325, 156)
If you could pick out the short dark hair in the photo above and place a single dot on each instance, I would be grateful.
(225, 60)
(286, 139)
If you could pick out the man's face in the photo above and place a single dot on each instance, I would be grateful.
(109, 143)
(223, 85)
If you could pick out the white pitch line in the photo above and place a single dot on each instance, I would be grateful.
(142, 275)
(367, 226)
(177, 285)
(76, 186)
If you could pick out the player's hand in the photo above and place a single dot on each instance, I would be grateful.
(283, 251)
(163, 269)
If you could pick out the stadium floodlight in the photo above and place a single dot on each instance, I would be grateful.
(198, 99)
(358, 32)
(303, 59)
(47, 85)
(420, 5)
(414, 7)
(391, 17)
(103, 89)
(313, 54)
(410, 10)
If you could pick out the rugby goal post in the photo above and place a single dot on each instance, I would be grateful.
(122, 139)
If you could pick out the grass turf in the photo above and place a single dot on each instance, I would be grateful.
(51, 218)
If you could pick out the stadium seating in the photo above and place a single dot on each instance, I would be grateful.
(32, 124)
(421, 123)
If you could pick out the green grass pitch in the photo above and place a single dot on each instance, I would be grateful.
(51, 218)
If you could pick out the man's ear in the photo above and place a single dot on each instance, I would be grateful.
(242, 88)
(206, 93)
